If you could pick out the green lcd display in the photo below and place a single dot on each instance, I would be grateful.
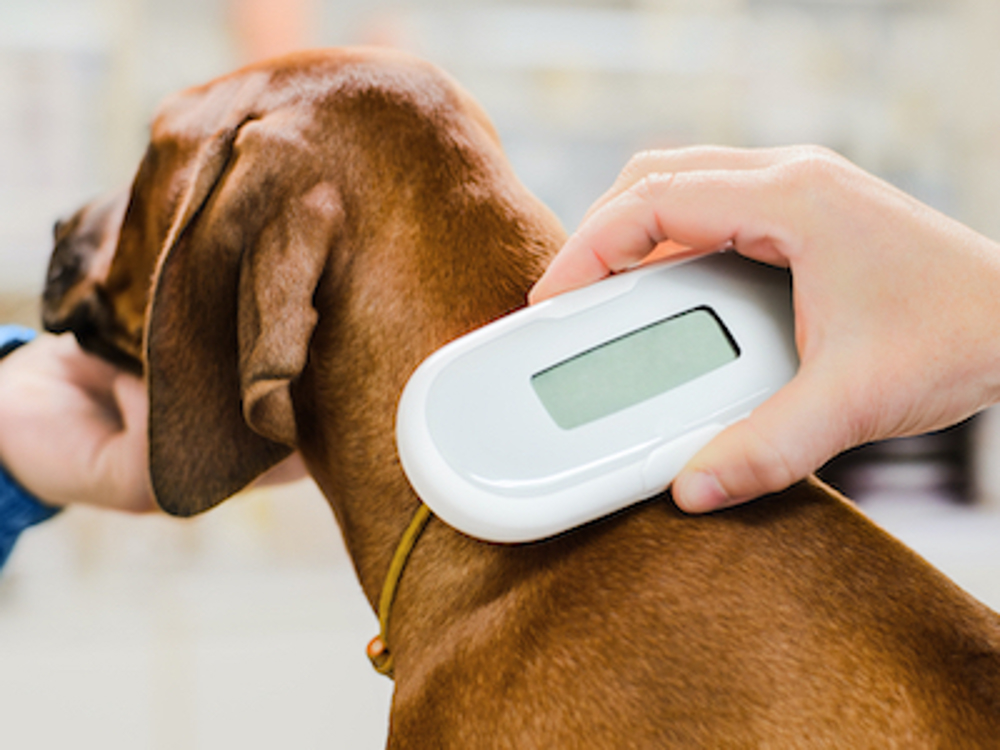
(635, 367)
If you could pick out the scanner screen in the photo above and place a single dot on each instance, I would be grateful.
(635, 367)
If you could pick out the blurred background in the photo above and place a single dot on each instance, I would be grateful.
(246, 628)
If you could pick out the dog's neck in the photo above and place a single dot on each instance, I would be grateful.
(399, 312)
(448, 241)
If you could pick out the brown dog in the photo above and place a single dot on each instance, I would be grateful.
(309, 229)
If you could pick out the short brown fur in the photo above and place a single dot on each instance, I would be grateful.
(300, 235)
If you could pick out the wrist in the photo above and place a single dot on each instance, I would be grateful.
(19, 509)
(13, 336)
(980, 308)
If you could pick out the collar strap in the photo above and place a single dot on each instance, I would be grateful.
(378, 648)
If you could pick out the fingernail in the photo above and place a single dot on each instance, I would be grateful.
(699, 492)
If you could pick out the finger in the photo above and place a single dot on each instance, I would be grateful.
(778, 445)
(124, 458)
(133, 401)
(81, 368)
(691, 159)
(291, 469)
(701, 210)
(618, 236)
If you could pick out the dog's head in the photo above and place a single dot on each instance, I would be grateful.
(74, 298)
(360, 186)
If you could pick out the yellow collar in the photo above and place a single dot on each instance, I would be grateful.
(378, 648)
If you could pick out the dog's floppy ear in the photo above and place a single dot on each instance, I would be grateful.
(231, 316)
(276, 316)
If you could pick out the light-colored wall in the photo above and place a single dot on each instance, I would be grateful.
(907, 88)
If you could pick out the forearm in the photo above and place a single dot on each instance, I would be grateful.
(19, 509)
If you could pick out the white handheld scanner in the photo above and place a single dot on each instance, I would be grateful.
(572, 409)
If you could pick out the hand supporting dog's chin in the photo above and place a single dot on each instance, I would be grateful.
(108, 351)
(92, 339)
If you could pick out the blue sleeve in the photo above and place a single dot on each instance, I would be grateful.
(18, 508)
(12, 336)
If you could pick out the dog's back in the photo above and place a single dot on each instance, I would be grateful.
(790, 622)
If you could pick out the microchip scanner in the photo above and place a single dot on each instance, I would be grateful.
(569, 410)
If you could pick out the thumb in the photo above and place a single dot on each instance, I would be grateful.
(782, 441)
(132, 401)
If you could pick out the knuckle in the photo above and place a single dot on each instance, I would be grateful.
(769, 466)
(812, 165)
(650, 187)
(644, 188)
(642, 160)
(639, 167)
(810, 178)
(649, 191)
